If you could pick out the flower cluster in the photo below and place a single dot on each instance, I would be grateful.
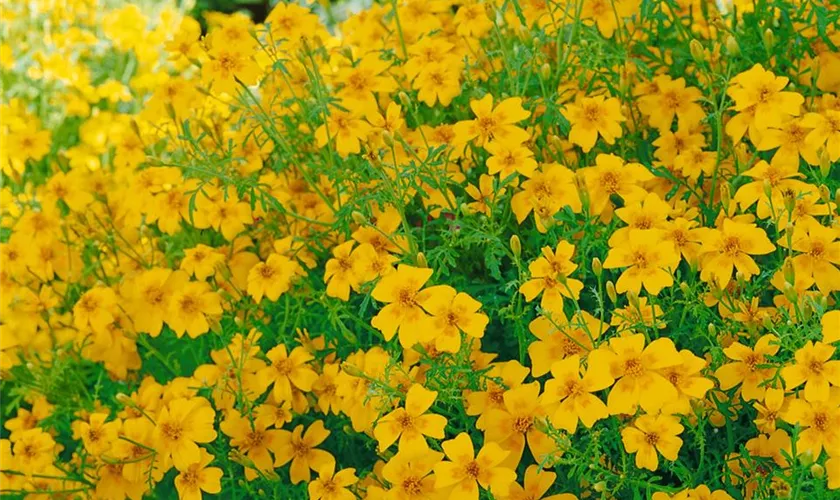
(451, 249)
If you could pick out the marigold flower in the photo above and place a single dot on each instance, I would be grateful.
(466, 471)
(650, 434)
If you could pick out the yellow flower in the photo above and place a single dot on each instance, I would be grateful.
(537, 483)
(650, 260)
(226, 66)
(484, 195)
(271, 278)
(332, 485)
(410, 475)
(650, 213)
(818, 257)
(813, 368)
(453, 313)
(401, 293)
(179, 426)
(95, 309)
(197, 478)
(412, 423)
(591, 116)
(287, 371)
(636, 369)
(820, 421)
(570, 395)
(650, 434)
(612, 176)
(190, 304)
(760, 102)
(493, 123)
(558, 338)
(438, 82)
(508, 158)
(252, 439)
(672, 99)
(346, 128)
(98, 436)
(731, 246)
(343, 271)
(549, 276)
(300, 449)
(772, 410)
(201, 261)
(515, 423)
(830, 327)
(748, 367)
(549, 189)
(465, 471)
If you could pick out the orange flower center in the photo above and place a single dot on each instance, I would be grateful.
(633, 367)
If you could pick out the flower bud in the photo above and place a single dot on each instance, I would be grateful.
(404, 100)
(767, 323)
(633, 299)
(768, 38)
(124, 399)
(387, 138)
(611, 292)
(789, 272)
(825, 163)
(697, 53)
(515, 246)
(806, 458)
(600, 486)
(685, 289)
(790, 293)
(545, 71)
(732, 46)
(818, 471)
(421, 260)
(768, 188)
(597, 267)
(725, 194)
(825, 194)
(712, 330)
(358, 217)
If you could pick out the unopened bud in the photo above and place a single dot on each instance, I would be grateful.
(633, 299)
(825, 163)
(555, 142)
(124, 399)
(404, 100)
(611, 292)
(768, 188)
(789, 272)
(725, 194)
(790, 293)
(597, 267)
(818, 471)
(806, 458)
(768, 38)
(685, 289)
(421, 260)
(387, 138)
(767, 323)
(515, 246)
(697, 53)
(825, 194)
(600, 486)
(358, 217)
(732, 46)
(545, 71)
(712, 330)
